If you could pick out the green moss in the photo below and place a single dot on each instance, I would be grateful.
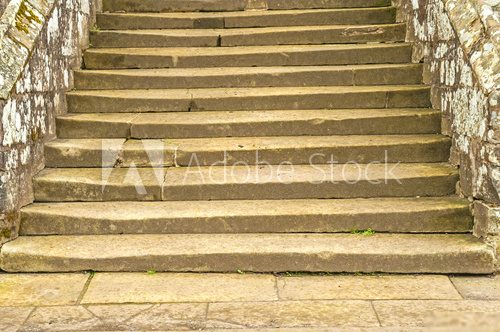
(5, 233)
(365, 232)
(25, 14)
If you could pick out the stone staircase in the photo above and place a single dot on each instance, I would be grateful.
(172, 155)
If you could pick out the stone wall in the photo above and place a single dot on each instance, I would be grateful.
(28, 113)
(458, 40)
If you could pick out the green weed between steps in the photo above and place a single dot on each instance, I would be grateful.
(364, 232)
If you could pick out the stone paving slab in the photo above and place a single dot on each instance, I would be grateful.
(167, 287)
(264, 302)
(11, 318)
(465, 313)
(366, 287)
(291, 314)
(40, 289)
(478, 288)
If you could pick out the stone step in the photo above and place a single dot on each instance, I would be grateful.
(172, 5)
(249, 123)
(231, 5)
(245, 182)
(392, 253)
(301, 35)
(174, 78)
(247, 56)
(230, 99)
(245, 19)
(297, 150)
(322, 4)
(399, 215)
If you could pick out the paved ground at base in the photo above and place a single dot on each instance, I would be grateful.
(166, 301)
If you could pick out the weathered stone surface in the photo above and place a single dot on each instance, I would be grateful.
(476, 288)
(96, 184)
(308, 181)
(458, 39)
(300, 4)
(444, 314)
(51, 48)
(247, 123)
(249, 36)
(245, 19)
(11, 318)
(397, 253)
(248, 77)
(289, 55)
(487, 220)
(291, 314)
(382, 215)
(40, 289)
(165, 287)
(272, 98)
(249, 151)
(366, 288)
(173, 5)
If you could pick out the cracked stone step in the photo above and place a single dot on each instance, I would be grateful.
(247, 56)
(245, 19)
(228, 99)
(245, 182)
(174, 78)
(400, 215)
(301, 35)
(249, 123)
(230, 5)
(248, 150)
(391, 253)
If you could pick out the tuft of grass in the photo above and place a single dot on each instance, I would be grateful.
(364, 232)
(151, 272)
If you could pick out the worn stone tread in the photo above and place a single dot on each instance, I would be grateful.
(295, 35)
(248, 150)
(247, 56)
(173, 5)
(404, 215)
(231, 5)
(245, 19)
(248, 77)
(309, 181)
(177, 100)
(248, 123)
(320, 4)
(443, 253)
(243, 182)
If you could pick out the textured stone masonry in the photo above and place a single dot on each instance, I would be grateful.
(459, 42)
(52, 44)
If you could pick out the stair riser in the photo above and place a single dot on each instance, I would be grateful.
(173, 5)
(428, 123)
(64, 191)
(439, 221)
(324, 4)
(163, 154)
(230, 5)
(301, 57)
(391, 33)
(441, 186)
(78, 103)
(348, 17)
(476, 262)
(338, 77)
